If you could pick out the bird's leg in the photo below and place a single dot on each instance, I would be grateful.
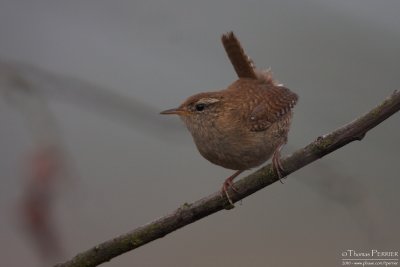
(277, 164)
(229, 183)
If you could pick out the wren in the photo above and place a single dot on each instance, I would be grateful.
(242, 126)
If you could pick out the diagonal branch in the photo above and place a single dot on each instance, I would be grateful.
(189, 213)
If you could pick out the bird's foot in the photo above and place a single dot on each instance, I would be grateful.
(277, 164)
(229, 184)
(224, 191)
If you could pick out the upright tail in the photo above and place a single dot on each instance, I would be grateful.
(242, 63)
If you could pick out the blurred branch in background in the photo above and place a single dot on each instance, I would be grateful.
(36, 205)
(27, 88)
(87, 95)
(354, 197)
(189, 213)
(46, 164)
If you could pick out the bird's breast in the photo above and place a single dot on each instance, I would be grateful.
(233, 147)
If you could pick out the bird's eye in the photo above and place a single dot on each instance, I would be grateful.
(200, 106)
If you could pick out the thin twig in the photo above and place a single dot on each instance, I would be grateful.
(189, 213)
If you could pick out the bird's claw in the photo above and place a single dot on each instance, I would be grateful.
(228, 183)
(224, 191)
(277, 164)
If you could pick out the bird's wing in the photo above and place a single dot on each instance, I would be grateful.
(242, 63)
(276, 102)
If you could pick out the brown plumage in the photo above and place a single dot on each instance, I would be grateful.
(243, 125)
(242, 63)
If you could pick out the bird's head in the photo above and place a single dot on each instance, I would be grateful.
(198, 110)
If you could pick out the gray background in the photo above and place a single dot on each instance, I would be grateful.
(341, 57)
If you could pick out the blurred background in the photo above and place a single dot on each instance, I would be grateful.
(85, 155)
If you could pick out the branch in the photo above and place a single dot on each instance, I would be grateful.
(189, 213)
(20, 76)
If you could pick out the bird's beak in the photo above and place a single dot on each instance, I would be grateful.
(176, 111)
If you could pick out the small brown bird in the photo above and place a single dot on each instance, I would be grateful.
(243, 125)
